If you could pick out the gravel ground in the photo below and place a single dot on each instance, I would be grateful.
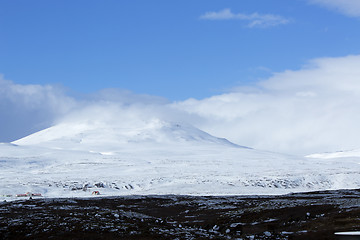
(315, 215)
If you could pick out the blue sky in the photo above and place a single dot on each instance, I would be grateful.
(166, 48)
(278, 75)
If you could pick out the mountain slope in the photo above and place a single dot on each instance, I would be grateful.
(157, 157)
(100, 136)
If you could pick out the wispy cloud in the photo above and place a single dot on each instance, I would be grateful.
(253, 20)
(348, 7)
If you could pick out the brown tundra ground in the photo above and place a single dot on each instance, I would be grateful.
(315, 215)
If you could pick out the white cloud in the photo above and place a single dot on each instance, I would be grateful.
(25, 109)
(254, 19)
(28, 108)
(347, 7)
(314, 109)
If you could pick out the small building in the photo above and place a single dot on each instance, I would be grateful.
(21, 195)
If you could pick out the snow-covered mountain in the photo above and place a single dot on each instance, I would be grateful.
(99, 136)
(153, 156)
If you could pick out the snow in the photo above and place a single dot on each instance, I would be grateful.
(348, 233)
(73, 159)
(340, 154)
(100, 136)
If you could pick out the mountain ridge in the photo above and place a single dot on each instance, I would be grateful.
(82, 135)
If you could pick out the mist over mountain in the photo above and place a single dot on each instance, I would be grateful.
(133, 153)
(282, 113)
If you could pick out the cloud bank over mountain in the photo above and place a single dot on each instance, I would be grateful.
(313, 109)
(25, 109)
(308, 110)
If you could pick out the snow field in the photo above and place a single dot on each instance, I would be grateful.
(156, 157)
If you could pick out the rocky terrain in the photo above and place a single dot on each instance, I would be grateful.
(315, 215)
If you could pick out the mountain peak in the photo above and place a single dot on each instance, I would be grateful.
(88, 135)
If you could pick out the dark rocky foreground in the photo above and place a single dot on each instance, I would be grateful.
(314, 215)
